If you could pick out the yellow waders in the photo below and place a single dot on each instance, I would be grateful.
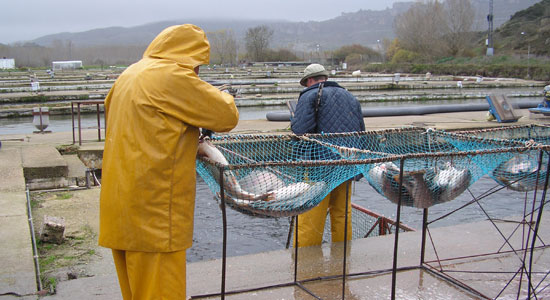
(312, 223)
(151, 275)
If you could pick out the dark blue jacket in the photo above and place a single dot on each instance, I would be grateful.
(338, 111)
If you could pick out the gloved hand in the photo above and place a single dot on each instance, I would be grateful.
(205, 133)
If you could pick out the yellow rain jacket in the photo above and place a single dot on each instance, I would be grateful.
(154, 111)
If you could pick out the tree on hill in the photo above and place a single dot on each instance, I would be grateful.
(257, 41)
(432, 29)
(223, 47)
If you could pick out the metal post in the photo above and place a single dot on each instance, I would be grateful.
(98, 123)
(224, 245)
(345, 241)
(79, 125)
(296, 251)
(537, 224)
(424, 230)
(72, 119)
(40, 114)
(396, 241)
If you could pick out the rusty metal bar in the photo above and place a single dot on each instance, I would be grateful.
(79, 125)
(539, 216)
(98, 123)
(424, 229)
(396, 240)
(346, 220)
(98, 112)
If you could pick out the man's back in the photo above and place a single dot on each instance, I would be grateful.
(338, 111)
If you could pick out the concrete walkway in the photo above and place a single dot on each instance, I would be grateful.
(17, 273)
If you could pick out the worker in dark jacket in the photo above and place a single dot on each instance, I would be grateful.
(325, 107)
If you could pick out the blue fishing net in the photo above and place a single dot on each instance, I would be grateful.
(520, 171)
(286, 175)
(437, 166)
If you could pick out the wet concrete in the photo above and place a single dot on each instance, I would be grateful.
(374, 255)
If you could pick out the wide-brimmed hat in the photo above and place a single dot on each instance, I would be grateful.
(313, 70)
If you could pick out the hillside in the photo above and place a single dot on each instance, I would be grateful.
(534, 23)
(364, 27)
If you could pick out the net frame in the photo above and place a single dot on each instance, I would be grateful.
(519, 173)
(439, 166)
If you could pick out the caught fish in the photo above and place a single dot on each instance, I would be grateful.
(291, 191)
(520, 173)
(230, 182)
(450, 182)
(285, 204)
(261, 182)
(417, 188)
(207, 149)
(382, 175)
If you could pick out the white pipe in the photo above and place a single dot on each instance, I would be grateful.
(33, 239)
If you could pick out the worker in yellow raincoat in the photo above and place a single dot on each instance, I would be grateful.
(154, 111)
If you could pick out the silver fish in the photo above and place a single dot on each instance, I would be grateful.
(418, 188)
(231, 184)
(451, 182)
(291, 192)
(382, 175)
(519, 173)
(261, 182)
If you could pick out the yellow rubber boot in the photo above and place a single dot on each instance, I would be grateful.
(311, 225)
(337, 210)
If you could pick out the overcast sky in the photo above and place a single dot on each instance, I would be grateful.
(29, 19)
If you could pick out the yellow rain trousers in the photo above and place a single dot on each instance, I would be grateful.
(151, 275)
(153, 113)
(311, 224)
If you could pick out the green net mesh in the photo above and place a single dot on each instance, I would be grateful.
(520, 171)
(285, 175)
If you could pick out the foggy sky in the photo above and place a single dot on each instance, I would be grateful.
(23, 20)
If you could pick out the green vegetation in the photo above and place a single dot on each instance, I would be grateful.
(64, 196)
(49, 283)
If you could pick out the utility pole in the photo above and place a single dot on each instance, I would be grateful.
(490, 50)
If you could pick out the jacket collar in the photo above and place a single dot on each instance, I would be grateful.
(316, 86)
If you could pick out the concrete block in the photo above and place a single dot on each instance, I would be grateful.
(43, 162)
(91, 157)
(77, 170)
(47, 183)
(53, 230)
